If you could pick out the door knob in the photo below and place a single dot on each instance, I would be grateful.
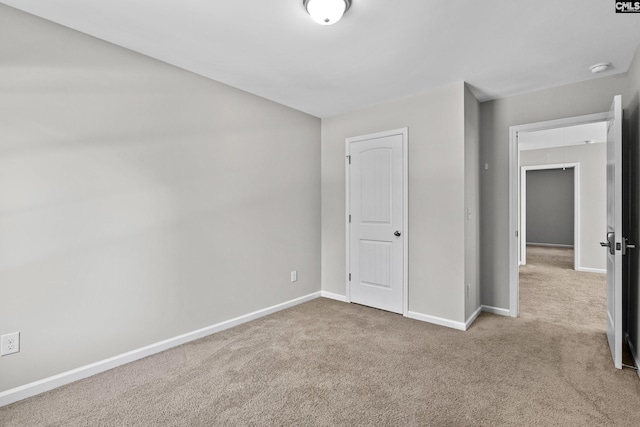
(609, 243)
(397, 233)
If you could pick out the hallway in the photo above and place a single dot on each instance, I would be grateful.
(551, 290)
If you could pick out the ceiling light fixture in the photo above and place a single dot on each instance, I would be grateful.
(326, 12)
(600, 67)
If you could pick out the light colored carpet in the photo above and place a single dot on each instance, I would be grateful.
(552, 290)
(328, 363)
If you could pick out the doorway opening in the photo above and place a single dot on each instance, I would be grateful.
(550, 206)
(557, 144)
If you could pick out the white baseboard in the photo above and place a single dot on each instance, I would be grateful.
(419, 316)
(550, 245)
(22, 392)
(592, 270)
(331, 295)
(472, 318)
(437, 320)
(496, 310)
(634, 354)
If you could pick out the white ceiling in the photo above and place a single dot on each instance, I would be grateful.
(381, 49)
(563, 137)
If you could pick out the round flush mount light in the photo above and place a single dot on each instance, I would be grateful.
(600, 67)
(326, 12)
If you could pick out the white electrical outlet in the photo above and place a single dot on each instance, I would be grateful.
(468, 290)
(9, 343)
(294, 276)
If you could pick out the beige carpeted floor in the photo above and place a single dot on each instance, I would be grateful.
(552, 290)
(329, 363)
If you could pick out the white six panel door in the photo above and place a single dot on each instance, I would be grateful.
(376, 230)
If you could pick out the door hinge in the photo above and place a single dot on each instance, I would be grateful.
(516, 233)
(349, 159)
(349, 276)
(349, 219)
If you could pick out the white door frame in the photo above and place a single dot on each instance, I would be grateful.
(576, 209)
(405, 208)
(514, 166)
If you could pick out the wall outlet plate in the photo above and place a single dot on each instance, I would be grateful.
(9, 343)
(294, 276)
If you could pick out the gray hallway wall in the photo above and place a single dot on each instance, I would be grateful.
(592, 159)
(550, 200)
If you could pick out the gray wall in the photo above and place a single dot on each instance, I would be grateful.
(437, 197)
(592, 96)
(593, 195)
(632, 213)
(472, 200)
(139, 201)
(550, 200)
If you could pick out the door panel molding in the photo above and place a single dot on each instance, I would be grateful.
(404, 132)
